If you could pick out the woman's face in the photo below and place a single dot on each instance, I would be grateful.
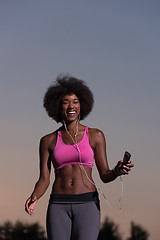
(70, 107)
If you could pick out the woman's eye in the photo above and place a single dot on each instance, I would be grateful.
(67, 103)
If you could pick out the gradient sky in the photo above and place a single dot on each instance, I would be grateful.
(114, 47)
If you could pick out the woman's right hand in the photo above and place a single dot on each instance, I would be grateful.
(30, 205)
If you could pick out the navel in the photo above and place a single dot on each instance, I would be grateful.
(71, 182)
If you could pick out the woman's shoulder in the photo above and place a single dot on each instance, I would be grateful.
(50, 138)
(95, 131)
(96, 136)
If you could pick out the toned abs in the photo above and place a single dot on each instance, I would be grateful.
(72, 179)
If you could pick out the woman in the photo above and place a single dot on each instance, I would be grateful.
(73, 210)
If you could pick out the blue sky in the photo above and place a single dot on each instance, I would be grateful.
(114, 47)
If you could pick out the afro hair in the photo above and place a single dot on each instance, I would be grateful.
(66, 84)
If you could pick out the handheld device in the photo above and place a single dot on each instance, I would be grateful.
(126, 159)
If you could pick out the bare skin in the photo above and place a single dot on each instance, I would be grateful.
(72, 179)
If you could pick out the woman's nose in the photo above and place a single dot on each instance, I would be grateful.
(70, 105)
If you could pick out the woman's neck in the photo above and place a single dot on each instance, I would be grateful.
(71, 126)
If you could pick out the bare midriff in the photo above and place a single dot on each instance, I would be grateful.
(72, 179)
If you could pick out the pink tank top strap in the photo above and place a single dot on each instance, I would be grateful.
(86, 129)
(59, 137)
(85, 136)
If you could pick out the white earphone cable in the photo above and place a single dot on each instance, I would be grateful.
(79, 153)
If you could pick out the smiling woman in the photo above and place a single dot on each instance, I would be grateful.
(66, 84)
(73, 210)
(70, 107)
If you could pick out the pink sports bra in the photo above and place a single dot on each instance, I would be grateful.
(64, 154)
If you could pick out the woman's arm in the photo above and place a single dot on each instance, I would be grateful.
(45, 167)
(105, 173)
(44, 178)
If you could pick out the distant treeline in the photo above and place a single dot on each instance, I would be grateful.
(34, 231)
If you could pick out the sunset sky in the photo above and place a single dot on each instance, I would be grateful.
(114, 47)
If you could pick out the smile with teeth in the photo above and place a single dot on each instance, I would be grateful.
(71, 112)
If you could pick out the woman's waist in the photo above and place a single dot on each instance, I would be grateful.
(74, 198)
(73, 186)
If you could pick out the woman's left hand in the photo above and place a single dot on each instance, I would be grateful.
(126, 168)
(123, 169)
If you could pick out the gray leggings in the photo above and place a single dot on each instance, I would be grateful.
(77, 221)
